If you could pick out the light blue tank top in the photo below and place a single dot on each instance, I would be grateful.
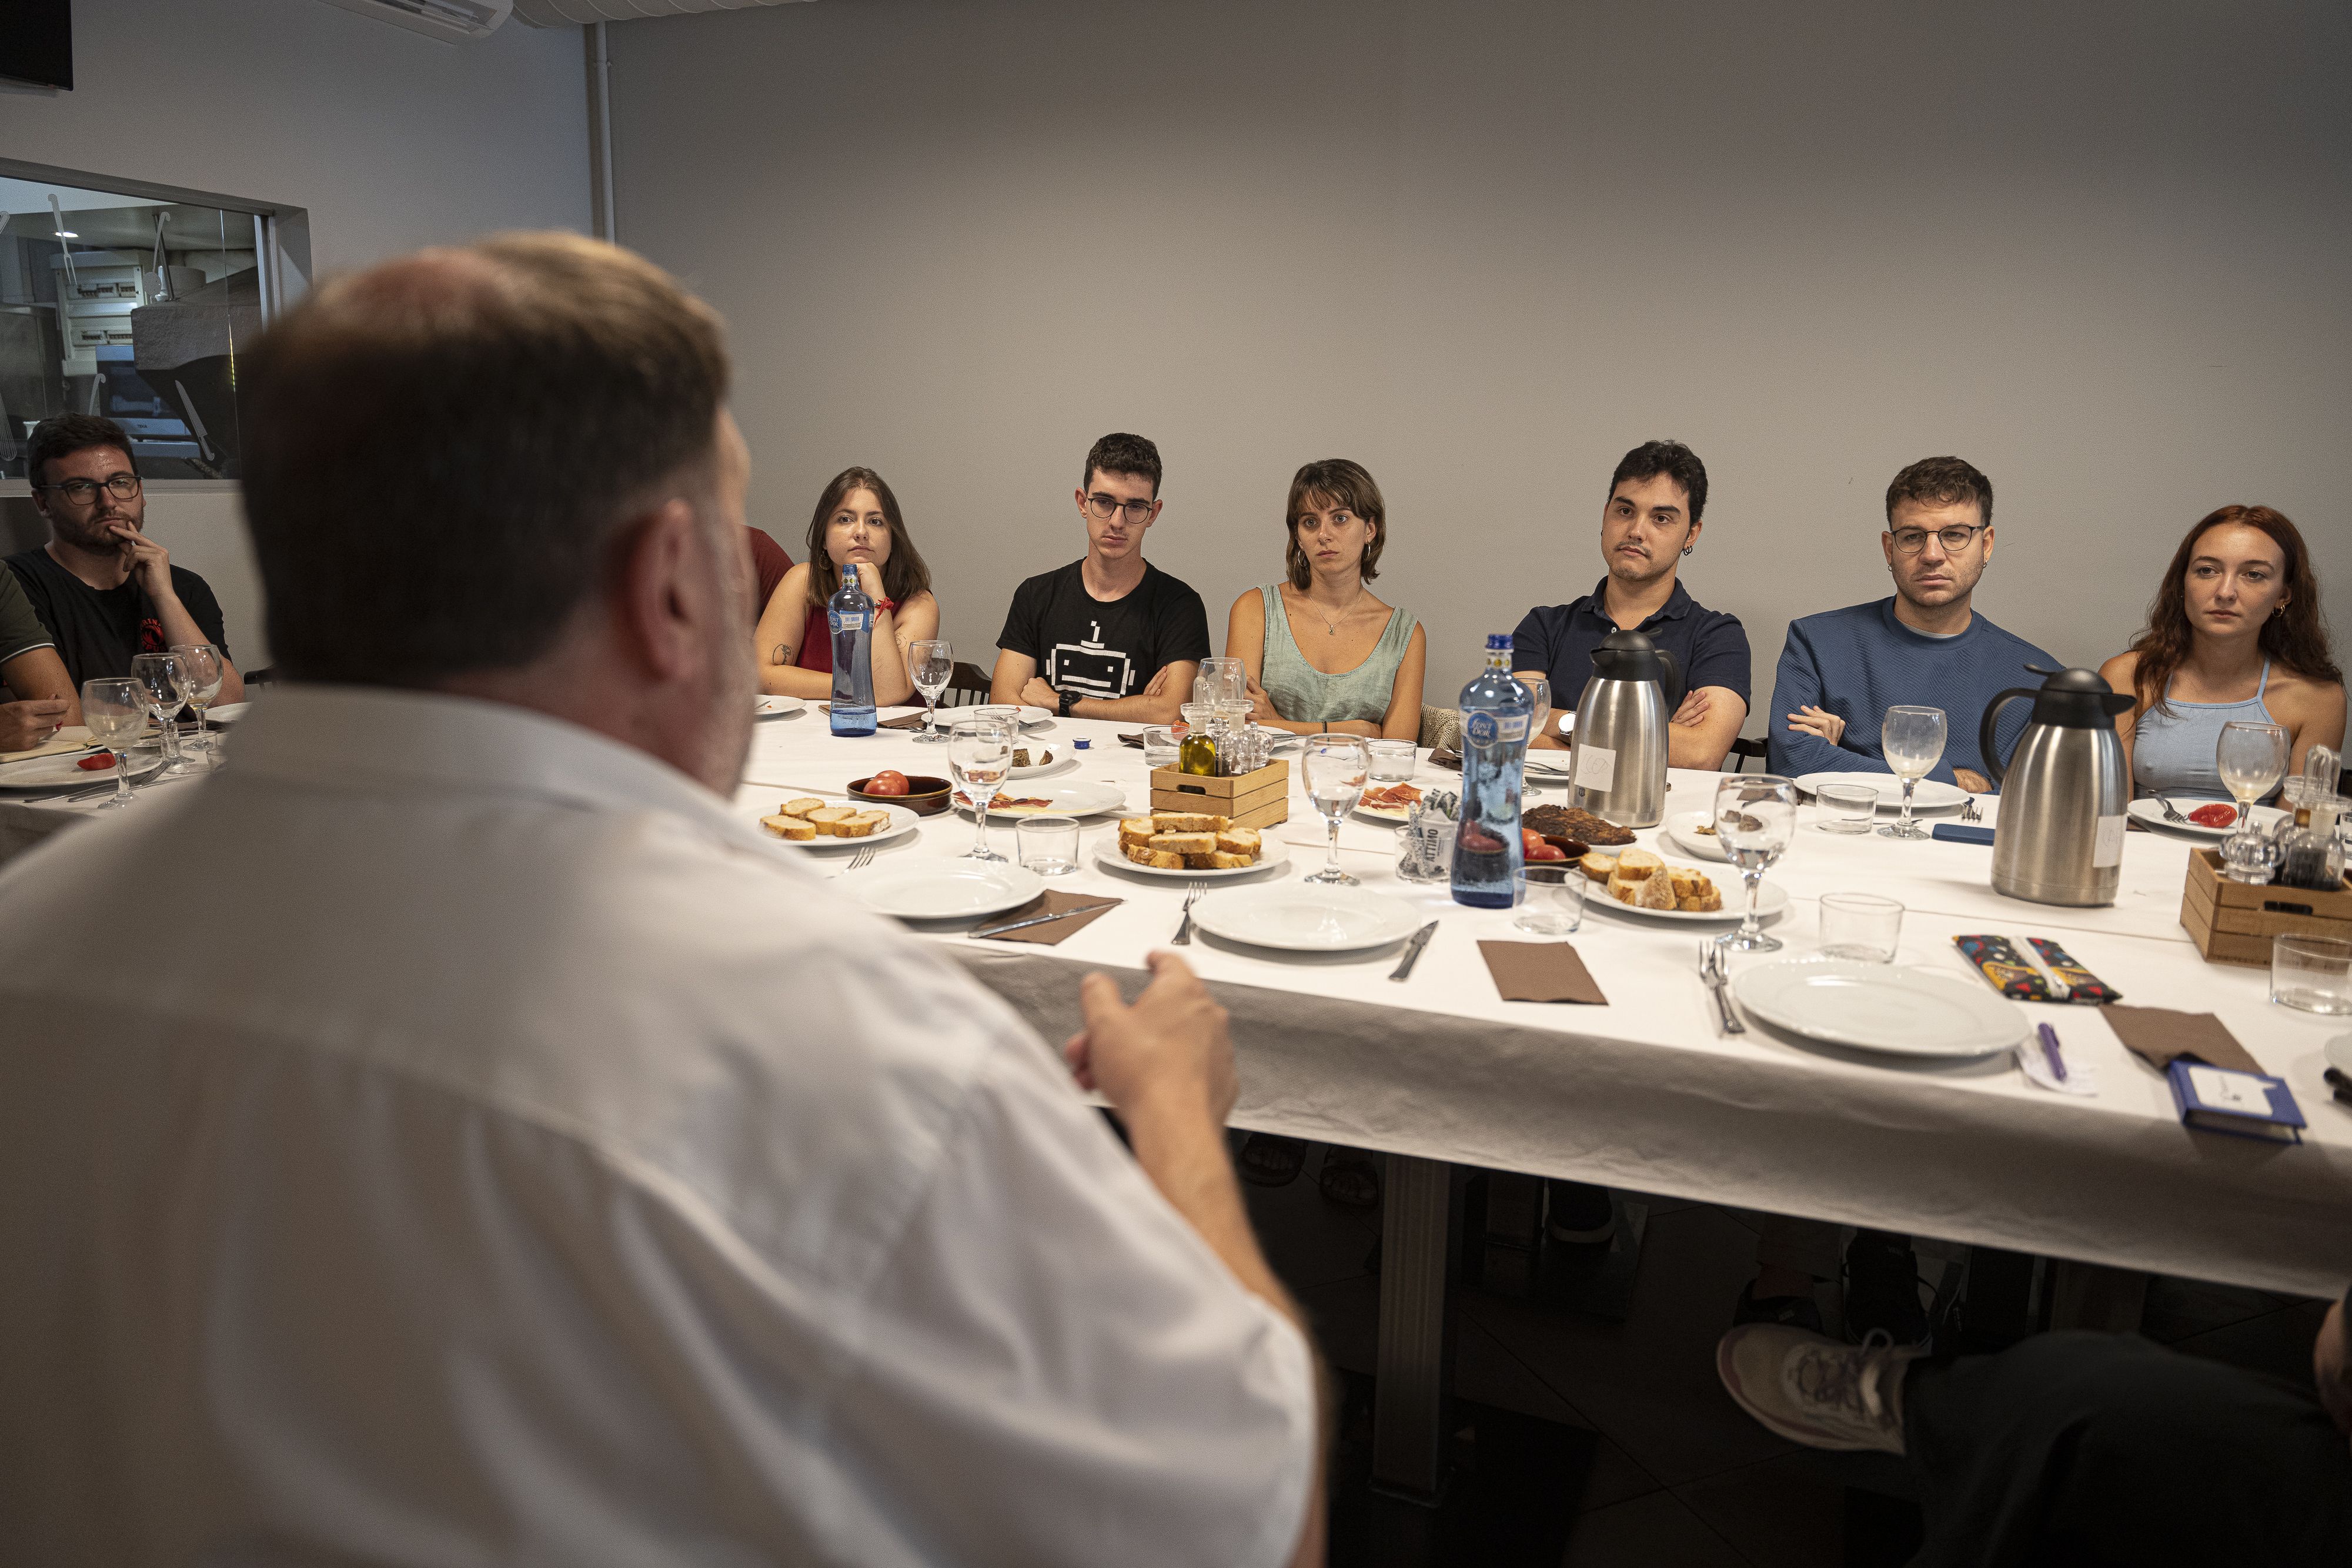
(2172, 753)
(1306, 695)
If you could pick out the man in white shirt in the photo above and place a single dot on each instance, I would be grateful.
(546, 1168)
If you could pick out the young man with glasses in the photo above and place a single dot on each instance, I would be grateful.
(1109, 635)
(1841, 670)
(107, 591)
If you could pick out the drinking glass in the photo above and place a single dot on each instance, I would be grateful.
(1158, 746)
(979, 756)
(2312, 973)
(1861, 926)
(1392, 761)
(1754, 816)
(159, 675)
(2251, 758)
(1850, 808)
(115, 709)
(1912, 741)
(1551, 899)
(1222, 681)
(1048, 845)
(201, 662)
(1336, 767)
(1539, 712)
(930, 664)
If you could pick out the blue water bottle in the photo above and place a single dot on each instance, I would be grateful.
(850, 616)
(1495, 710)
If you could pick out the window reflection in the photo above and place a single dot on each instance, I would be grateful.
(128, 307)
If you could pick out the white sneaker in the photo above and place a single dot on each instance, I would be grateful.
(1812, 1390)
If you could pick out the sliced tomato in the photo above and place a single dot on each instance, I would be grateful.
(2214, 816)
(97, 761)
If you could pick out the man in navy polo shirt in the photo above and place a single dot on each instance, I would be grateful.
(1650, 522)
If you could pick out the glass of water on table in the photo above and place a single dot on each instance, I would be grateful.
(1336, 767)
(206, 672)
(980, 757)
(115, 709)
(930, 664)
(1912, 741)
(166, 684)
(1755, 817)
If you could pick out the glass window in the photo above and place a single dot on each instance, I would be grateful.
(130, 306)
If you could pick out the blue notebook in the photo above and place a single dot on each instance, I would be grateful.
(2242, 1104)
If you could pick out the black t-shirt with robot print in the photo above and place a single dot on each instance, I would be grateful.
(1090, 647)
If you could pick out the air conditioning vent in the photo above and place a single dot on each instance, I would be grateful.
(453, 20)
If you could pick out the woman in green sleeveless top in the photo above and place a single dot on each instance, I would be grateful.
(1323, 653)
(1322, 650)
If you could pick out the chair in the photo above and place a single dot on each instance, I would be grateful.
(1744, 747)
(967, 687)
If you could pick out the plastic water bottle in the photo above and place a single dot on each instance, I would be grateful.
(1495, 710)
(850, 616)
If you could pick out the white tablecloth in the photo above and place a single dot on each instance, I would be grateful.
(1644, 1093)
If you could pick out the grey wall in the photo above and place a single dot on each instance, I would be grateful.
(390, 140)
(2104, 250)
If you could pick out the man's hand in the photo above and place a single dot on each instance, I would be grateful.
(150, 564)
(30, 723)
(1695, 702)
(2331, 1367)
(1159, 685)
(1818, 721)
(1171, 1045)
(1037, 693)
(1974, 782)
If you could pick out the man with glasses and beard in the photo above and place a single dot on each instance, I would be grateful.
(1841, 670)
(1109, 635)
(106, 592)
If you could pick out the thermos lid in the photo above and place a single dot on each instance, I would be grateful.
(2077, 699)
(1629, 656)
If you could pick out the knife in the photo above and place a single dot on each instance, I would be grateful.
(1413, 951)
(979, 931)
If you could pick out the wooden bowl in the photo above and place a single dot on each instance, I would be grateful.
(925, 796)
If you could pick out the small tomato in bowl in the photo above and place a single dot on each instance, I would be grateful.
(889, 781)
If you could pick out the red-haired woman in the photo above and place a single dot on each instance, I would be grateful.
(2234, 632)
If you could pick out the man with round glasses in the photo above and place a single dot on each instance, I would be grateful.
(105, 589)
(1109, 635)
(1841, 670)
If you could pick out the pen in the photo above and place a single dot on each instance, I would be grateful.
(2050, 1050)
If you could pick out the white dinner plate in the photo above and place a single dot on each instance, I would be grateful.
(903, 821)
(2152, 813)
(766, 706)
(62, 770)
(228, 713)
(1306, 917)
(1049, 757)
(944, 889)
(1270, 853)
(1770, 900)
(1683, 827)
(1901, 1009)
(1077, 798)
(1393, 815)
(1931, 795)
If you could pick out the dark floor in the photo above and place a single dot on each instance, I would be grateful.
(1644, 1459)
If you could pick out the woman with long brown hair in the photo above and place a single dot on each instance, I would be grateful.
(856, 527)
(2234, 632)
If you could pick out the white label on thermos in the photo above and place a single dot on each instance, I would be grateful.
(1596, 767)
(2108, 844)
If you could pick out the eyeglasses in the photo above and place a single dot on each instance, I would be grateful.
(1911, 541)
(1103, 505)
(80, 492)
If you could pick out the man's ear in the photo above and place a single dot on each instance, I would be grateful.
(656, 591)
(1691, 543)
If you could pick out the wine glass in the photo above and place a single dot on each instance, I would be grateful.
(979, 756)
(930, 664)
(1912, 741)
(115, 708)
(1539, 704)
(1222, 681)
(160, 676)
(1336, 767)
(1755, 817)
(201, 662)
(2251, 758)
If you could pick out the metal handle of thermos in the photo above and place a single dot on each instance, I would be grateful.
(1993, 764)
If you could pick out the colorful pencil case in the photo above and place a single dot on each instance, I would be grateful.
(2013, 974)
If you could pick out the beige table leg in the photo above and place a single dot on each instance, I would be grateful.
(2093, 1296)
(1421, 1203)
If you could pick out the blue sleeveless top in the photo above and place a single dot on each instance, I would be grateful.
(2172, 754)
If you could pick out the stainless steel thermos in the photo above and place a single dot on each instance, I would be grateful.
(2060, 837)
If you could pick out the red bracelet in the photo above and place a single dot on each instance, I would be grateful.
(886, 605)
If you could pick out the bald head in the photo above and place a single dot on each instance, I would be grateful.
(440, 449)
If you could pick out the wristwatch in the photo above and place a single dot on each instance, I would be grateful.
(1068, 700)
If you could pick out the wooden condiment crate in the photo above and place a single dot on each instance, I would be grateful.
(1256, 799)
(2233, 922)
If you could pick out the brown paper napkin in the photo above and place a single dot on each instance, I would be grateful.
(1082, 907)
(2157, 1035)
(1539, 972)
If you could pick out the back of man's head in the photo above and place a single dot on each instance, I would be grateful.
(439, 450)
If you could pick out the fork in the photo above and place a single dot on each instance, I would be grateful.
(1713, 971)
(1972, 812)
(859, 861)
(2172, 816)
(1183, 937)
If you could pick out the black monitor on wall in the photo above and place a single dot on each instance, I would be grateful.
(36, 42)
